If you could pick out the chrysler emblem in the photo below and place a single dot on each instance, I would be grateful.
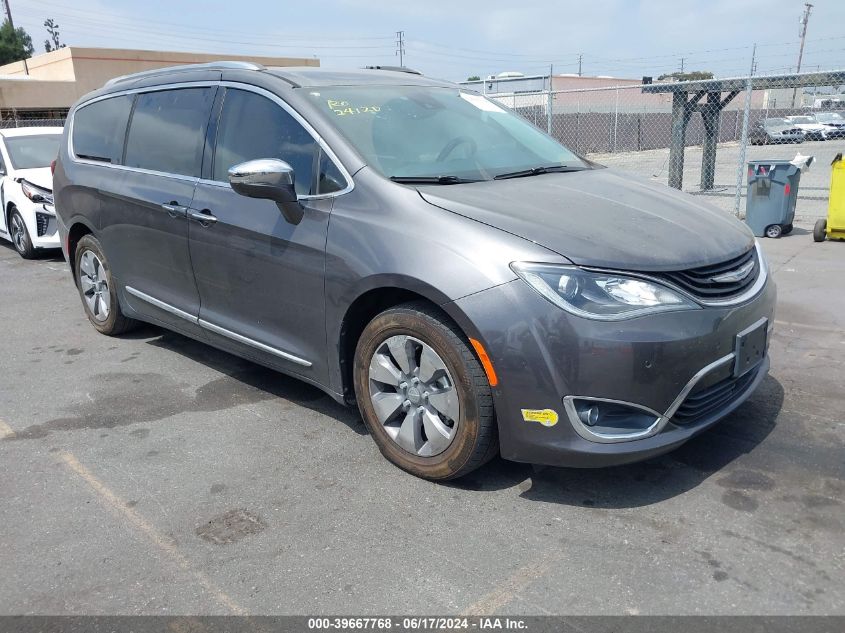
(737, 274)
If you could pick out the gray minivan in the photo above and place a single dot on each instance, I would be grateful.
(419, 250)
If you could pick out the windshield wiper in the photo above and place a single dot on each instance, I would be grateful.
(430, 180)
(536, 171)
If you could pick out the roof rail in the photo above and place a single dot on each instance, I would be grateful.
(397, 69)
(220, 65)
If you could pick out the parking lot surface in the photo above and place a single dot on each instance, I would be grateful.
(151, 474)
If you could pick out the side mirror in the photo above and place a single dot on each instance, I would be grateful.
(271, 179)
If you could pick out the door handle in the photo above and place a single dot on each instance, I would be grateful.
(204, 217)
(174, 210)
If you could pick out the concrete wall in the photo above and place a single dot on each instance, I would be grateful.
(55, 80)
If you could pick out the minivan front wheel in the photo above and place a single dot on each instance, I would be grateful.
(97, 288)
(423, 394)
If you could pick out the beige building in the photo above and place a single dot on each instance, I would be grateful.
(46, 85)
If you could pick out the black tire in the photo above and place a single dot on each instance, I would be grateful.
(476, 438)
(820, 230)
(787, 229)
(23, 245)
(774, 231)
(115, 323)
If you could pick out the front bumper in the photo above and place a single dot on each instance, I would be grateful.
(670, 363)
(44, 233)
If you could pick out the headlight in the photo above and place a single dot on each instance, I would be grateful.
(599, 295)
(36, 193)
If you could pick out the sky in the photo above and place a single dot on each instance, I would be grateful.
(459, 38)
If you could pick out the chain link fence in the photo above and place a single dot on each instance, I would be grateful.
(629, 128)
(6, 124)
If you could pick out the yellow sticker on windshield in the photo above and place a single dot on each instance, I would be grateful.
(546, 417)
(342, 108)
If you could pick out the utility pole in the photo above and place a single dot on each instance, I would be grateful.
(682, 64)
(804, 20)
(8, 13)
(580, 59)
(400, 47)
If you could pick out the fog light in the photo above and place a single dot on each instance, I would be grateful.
(610, 420)
(589, 415)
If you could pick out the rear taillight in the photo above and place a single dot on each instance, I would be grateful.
(786, 189)
(52, 166)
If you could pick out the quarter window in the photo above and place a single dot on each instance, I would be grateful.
(167, 130)
(99, 129)
(252, 126)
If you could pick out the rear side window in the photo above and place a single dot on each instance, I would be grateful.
(167, 130)
(99, 129)
(252, 126)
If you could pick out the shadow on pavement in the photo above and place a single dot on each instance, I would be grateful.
(626, 486)
(251, 375)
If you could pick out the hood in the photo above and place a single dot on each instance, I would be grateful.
(40, 177)
(602, 218)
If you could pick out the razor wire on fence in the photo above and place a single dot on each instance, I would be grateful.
(633, 127)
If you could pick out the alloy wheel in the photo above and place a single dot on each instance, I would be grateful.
(18, 233)
(94, 283)
(414, 396)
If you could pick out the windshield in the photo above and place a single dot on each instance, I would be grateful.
(406, 132)
(829, 117)
(32, 151)
(802, 119)
(775, 122)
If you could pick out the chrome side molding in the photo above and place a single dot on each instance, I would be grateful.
(211, 327)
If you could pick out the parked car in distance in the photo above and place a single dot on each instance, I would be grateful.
(26, 188)
(418, 250)
(813, 130)
(834, 120)
(773, 131)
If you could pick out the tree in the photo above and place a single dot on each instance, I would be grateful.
(53, 30)
(474, 78)
(695, 75)
(15, 44)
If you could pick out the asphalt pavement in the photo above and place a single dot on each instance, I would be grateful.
(151, 474)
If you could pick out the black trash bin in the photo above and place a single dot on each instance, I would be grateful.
(772, 194)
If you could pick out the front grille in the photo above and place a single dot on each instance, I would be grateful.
(699, 404)
(699, 282)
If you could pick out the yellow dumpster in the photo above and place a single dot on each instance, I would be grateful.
(834, 226)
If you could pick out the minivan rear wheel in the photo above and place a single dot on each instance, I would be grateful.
(423, 394)
(97, 289)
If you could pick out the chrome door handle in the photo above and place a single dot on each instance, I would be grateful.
(175, 210)
(204, 217)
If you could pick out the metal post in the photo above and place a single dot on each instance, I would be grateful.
(615, 121)
(549, 102)
(743, 143)
(710, 115)
(679, 131)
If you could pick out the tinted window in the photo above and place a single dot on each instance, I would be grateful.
(99, 129)
(252, 126)
(167, 131)
(330, 179)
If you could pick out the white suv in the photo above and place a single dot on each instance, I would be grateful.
(26, 188)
